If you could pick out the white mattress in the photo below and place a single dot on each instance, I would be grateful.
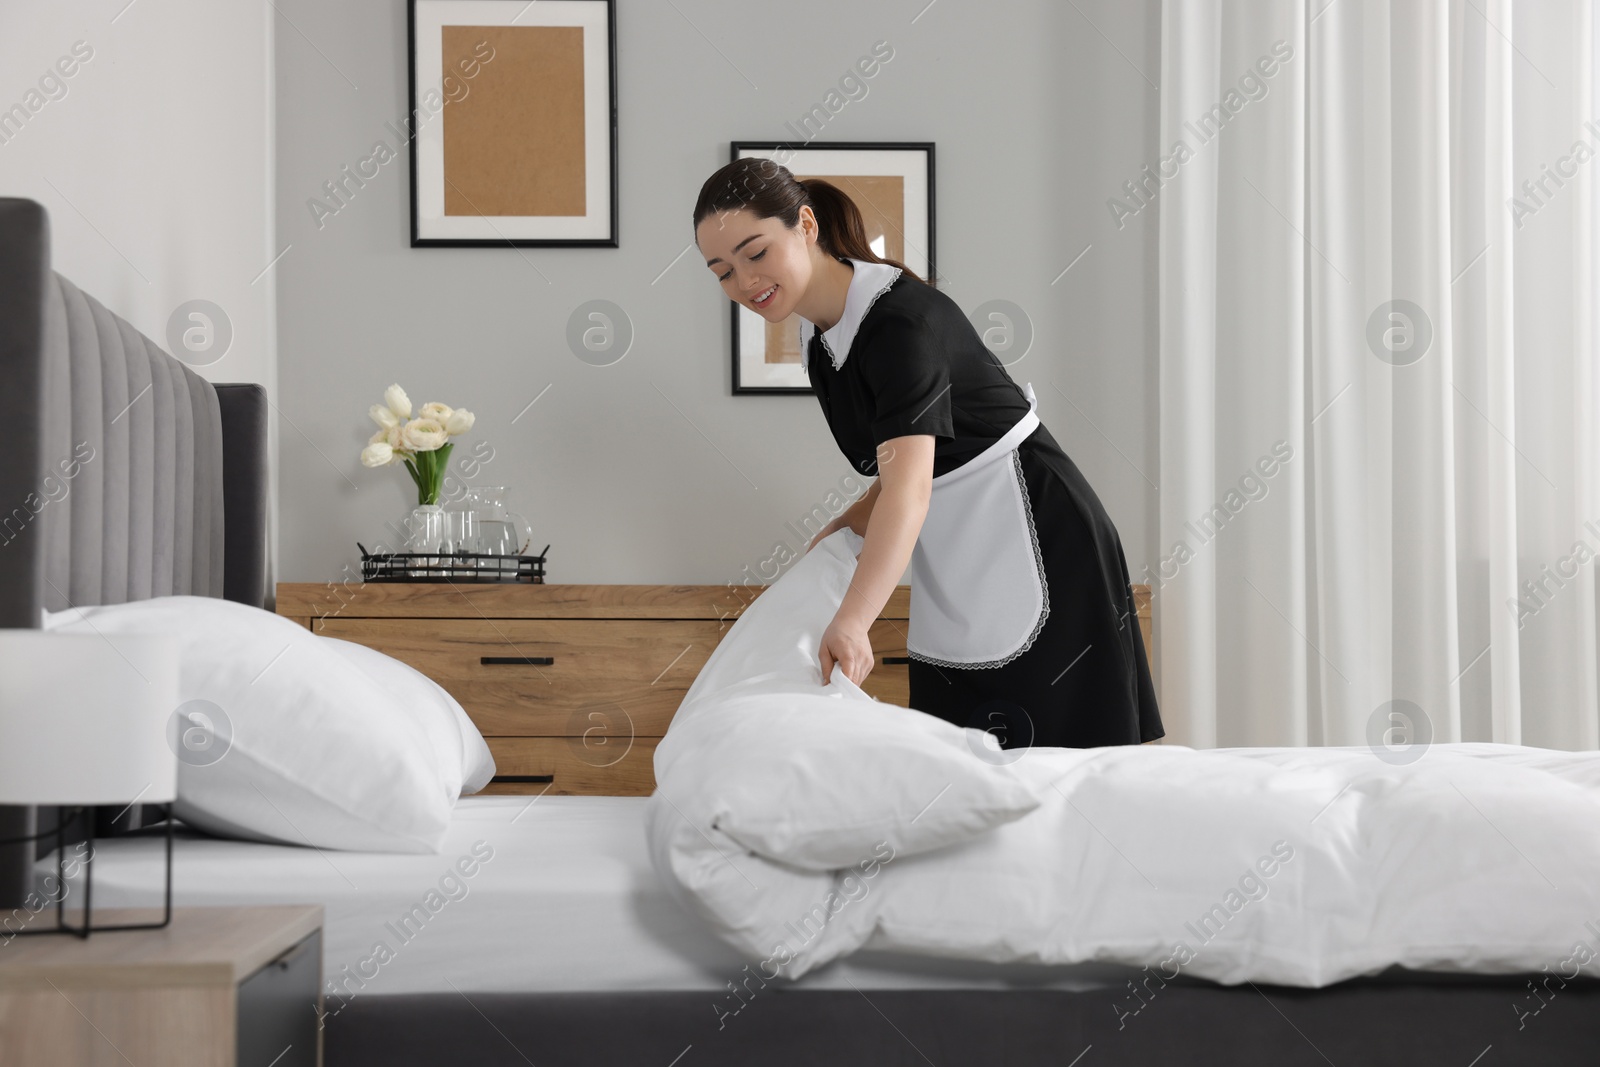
(567, 901)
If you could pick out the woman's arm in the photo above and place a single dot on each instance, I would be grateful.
(899, 506)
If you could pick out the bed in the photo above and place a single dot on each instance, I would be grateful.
(566, 947)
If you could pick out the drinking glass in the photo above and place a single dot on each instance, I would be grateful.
(425, 531)
(460, 538)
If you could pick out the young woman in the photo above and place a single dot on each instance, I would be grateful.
(1022, 615)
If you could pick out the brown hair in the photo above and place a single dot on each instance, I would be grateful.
(769, 190)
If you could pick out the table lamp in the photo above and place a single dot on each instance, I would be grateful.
(83, 722)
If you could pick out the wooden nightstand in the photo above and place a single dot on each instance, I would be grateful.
(219, 987)
(572, 685)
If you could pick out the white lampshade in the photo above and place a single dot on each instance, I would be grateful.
(83, 719)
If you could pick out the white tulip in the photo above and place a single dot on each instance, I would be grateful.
(398, 402)
(423, 435)
(377, 454)
(460, 421)
(434, 410)
(384, 417)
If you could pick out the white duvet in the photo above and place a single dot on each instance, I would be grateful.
(804, 822)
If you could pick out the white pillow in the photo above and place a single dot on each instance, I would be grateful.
(464, 755)
(308, 748)
(819, 776)
(776, 636)
(822, 783)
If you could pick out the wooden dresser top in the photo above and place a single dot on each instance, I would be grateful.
(553, 600)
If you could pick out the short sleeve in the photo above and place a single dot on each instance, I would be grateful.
(908, 372)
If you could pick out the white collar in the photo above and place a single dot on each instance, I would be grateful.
(868, 282)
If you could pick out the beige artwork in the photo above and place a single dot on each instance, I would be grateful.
(515, 144)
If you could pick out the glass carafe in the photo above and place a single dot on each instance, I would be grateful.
(500, 532)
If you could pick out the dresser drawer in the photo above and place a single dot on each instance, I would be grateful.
(594, 766)
(549, 677)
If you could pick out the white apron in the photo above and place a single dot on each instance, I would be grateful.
(978, 590)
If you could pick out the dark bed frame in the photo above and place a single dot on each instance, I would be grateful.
(176, 502)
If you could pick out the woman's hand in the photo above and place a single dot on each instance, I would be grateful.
(845, 642)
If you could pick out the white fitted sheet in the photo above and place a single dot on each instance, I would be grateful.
(568, 901)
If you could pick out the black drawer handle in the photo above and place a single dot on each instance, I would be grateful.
(293, 953)
(523, 778)
(896, 659)
(523, 661)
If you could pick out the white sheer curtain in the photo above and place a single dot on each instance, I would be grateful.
(1380, 507)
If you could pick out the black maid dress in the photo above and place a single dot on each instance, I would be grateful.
(1023, 619)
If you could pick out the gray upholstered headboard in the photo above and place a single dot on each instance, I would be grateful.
(126, 475)
(134, 477)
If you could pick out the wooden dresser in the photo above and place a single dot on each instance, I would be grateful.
(572, 685)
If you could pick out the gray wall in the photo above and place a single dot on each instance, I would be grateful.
(649, 470)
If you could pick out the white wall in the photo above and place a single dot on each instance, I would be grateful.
(154, 158)
(648, 470)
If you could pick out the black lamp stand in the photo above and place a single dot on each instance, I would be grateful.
(88, 927)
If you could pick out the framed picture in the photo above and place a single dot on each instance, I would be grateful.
(513, 123)
(892, 183)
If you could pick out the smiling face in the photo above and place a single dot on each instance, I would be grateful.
(750, 256)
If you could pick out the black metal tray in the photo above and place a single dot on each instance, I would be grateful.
(450, 567)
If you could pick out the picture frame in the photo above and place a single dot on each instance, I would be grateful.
(892, 182)
(512, 125)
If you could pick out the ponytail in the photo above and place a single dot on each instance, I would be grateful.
(842, 233)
